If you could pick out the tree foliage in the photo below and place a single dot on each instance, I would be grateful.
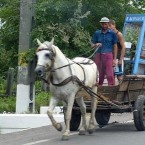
(65, 24)
(71, 23)
(9, 34)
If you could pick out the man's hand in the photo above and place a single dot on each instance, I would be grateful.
(119, 62)
(114, 62)
(96, 45)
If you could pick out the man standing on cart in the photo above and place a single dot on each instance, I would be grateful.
(105, 57)
(121, 48)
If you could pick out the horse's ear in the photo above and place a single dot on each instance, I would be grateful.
(39, 43)
(52, 41)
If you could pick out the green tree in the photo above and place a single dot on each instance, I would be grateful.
(72, 23)
(9, 34)
(64, 22)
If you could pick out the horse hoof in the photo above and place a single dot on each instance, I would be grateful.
(65, 137)
(82, 132)
(91, 131)
(59, 127)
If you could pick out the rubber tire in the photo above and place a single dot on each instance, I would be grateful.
(139, 113)
(102, 117)
(75, 120)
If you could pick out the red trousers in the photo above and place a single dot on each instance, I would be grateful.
(104, 62)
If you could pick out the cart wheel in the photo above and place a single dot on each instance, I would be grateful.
(75, 120)
(102, 117)
(139, 113)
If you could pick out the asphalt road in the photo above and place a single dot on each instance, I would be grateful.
(120, 131)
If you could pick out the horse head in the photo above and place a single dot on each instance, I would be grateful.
(45, 57)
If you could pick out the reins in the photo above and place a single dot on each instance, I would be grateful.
(89, 91)
(84, 63)
(90, 51)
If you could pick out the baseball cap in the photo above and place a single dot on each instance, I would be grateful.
(104, 20)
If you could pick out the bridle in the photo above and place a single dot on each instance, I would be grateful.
(52, 58)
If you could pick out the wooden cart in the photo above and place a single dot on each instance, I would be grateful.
(128, 96)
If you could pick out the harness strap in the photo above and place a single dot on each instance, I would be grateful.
(86, 88)
(84, 63)
(72, 77)
(70, 68)
(93, 94)
(83, 72)
(67, 80)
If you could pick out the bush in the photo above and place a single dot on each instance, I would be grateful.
(42, 99)
(2, 85)
(7, 104)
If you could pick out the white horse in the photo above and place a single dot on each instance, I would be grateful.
(64, 78)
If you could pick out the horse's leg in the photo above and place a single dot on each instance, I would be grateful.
(64, 108)
(53, 103)
(68, 112)
(82, 105)
(91, 127)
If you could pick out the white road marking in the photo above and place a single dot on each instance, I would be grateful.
(36, 142)
(40, 141)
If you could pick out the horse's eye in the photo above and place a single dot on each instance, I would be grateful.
(46, 55)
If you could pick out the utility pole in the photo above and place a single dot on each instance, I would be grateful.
(25, 99)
